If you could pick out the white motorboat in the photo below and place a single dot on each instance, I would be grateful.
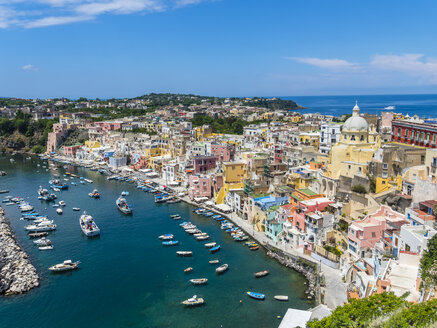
(200, 281)
(26, 208)
(204, 237)
(167, 236)
(194, 301)
(88, 226)
(45, 248)
(76, 209)
(210, 245)
(41, 227)
(222, 268)
(42, 242)
(67, 265)
(62, 203)
(184, 253)
(59, 211)
(283, 298)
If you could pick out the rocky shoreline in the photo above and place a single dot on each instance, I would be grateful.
(306, 270)
(17, 274)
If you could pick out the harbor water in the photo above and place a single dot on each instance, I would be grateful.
(126, 277)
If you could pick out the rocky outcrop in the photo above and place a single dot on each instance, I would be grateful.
(306, 270)
(17, 274)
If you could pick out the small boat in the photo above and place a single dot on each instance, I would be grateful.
(67, 265)
(201, 281)
(261, 273)
(209, 245)
(215, 249)
(170, 243)
(4, 191)
(88, 226)
(56, 189)
(59, 211)
(257, 296)
(123, 205)
(89, 180)
(175, 216)
(173, 201)
(94, 194)
(38, 234)
(45, 248)
(189, 269)
(254, 248)
(184, 253)
(167, 236)
(26, 208)
(76, 209)
(222, 268)
(62, 203)
(281, 297)
(56, 183)
(214, 261)
(125, 193)
(194, 301)
(41, 227)
(42, 242)
(200, 238)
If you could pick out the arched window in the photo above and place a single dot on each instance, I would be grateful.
(353, 137)
(362, 138)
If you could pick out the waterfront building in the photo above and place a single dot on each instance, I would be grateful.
(199, 186)
(416, 133)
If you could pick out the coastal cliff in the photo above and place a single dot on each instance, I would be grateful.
(17, 274)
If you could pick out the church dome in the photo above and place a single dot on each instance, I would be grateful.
(355, 122)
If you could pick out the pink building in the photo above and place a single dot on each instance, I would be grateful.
(204, 163)
(364, 234)
(224, 152)
(110, 126)
(309, 206)
(199, 187)
(71, 150)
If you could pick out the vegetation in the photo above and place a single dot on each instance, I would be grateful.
(22, 133)
(428, 263)
(332, 249)
(342, 118)
(380, 311)
(271, 103)
(227, 125)
(359, 189)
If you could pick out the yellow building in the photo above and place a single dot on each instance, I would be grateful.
(92, 144)
(203, 132)
(352, 153)
(234, 174)
(310, 139)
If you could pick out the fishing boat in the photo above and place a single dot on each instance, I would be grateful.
(56, 183)
(281, 298)
(214, 261)
(45, 195)
(209, 245)
(88, 226)
(59, 211)
(45, 248)
(167, 236)
(254, 248)
(170, 243)
(215, 249)
(76, 209)
(123, 205)
(200, 281)
(189, 269)
(194, 301)
(222, 268)
(257, 296)
(184, 253)
(94, 194)
(261, 274)
(67, 265)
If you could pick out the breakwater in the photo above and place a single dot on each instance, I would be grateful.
(17, 274)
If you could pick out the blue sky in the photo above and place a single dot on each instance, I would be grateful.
(125, 48)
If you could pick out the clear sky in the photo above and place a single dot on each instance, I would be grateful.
(125, 48)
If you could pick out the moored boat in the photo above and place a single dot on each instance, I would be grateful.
(38, 234)
(214, 261)
(261, 274)
(167, 236)
(194, 301)
(67, 265)
(189, 269)
(88, 226)
(222, 268)
(200, 281)
(94, 194)
(184, 253)
(123, 206)
(59, 210)
(281, 298)
(45, 248)
(76, 209)
(257, 296)
(215, 249)
(170, 243)
(42, 242)
(254, 248)
(56, 183)
(210, 245)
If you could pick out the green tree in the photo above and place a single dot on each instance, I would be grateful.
(428, 263)
(359, 189)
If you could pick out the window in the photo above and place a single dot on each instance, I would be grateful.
(349, 167)
(399, 131)
(362, 138)
(353, 137)
(373, 234)
(406, 133)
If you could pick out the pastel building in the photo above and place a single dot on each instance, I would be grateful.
(199, 187)
(204, 163)
(224, 152)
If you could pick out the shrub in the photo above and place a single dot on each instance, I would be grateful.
(359, 189)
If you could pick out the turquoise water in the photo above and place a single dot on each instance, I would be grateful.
(126, 278)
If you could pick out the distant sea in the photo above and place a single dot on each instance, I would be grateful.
(422, 105)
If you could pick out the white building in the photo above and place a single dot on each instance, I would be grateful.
(329, 135)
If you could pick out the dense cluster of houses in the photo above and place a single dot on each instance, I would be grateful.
(359, 196)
